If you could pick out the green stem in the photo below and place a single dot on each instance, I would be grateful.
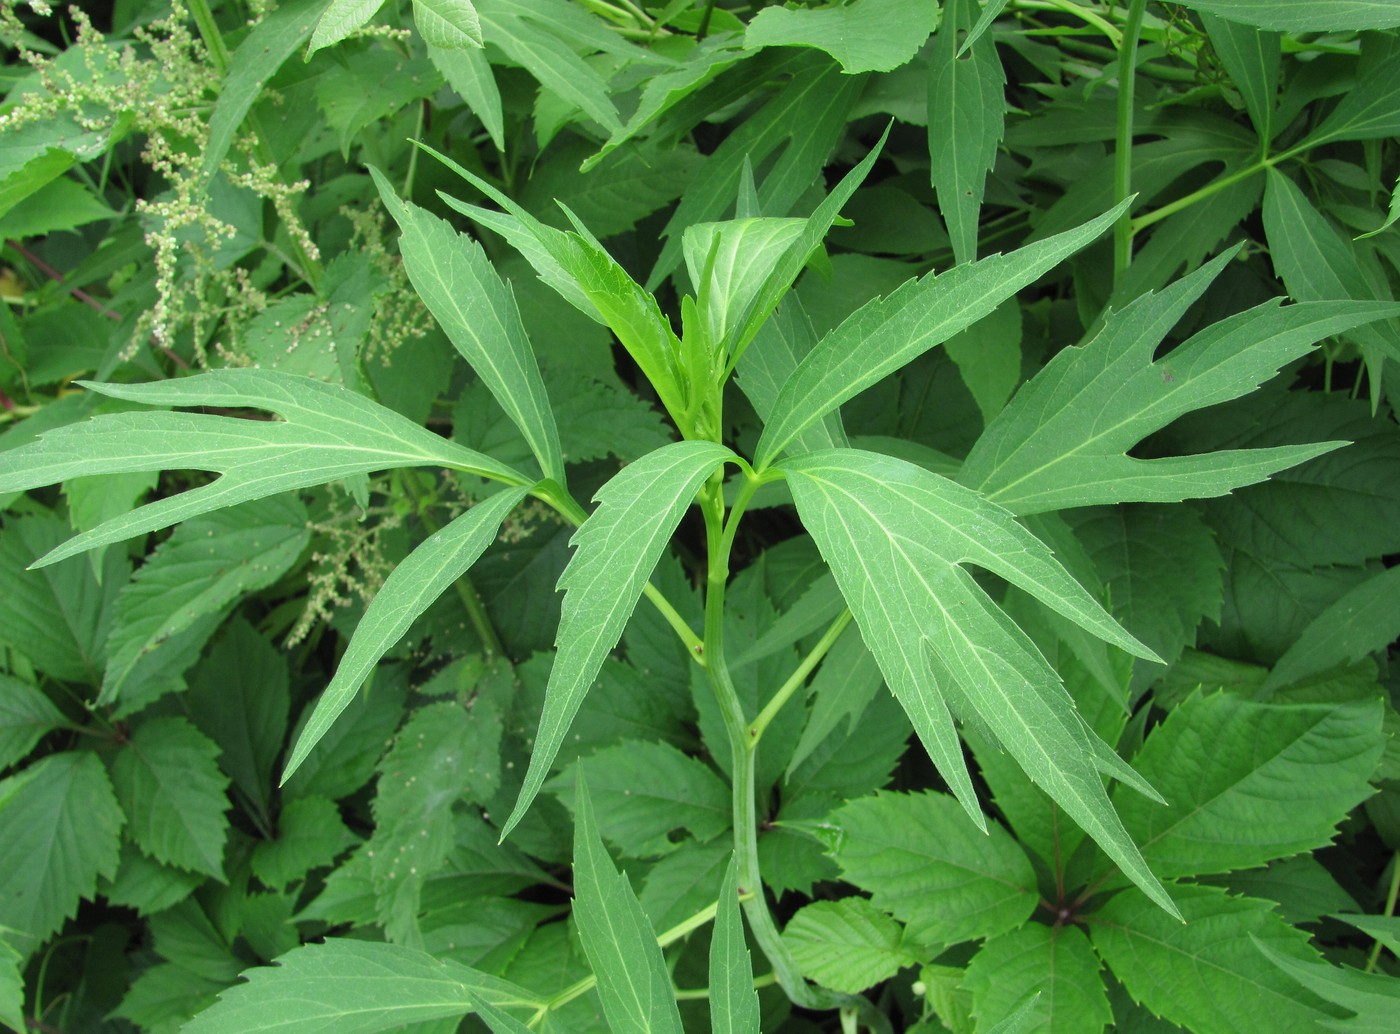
(1084, 14)
(1123, 152)
(799, 676)
(209, 32)
(704, 28)
(1390, 898)
(701, 993)
(1213, 187)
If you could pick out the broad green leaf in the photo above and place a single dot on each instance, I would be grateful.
(895, 536)
(615, 552)
(40, 151)
(380, 83)
(1373, 997)
(1252, 57)
(57, 617)
(64, 204)
(1304, 15)
(991, 10)
(1206, 974)
(477, 310)
(643, 790)
(410, 589)
(729, 262)
(25, 716)
(633, 981)
(1317, 263)
(168, 782)
(1057, 963)
(863, 35)
(185, 935)
(923, 864)
(344, 757)
(144, 884)
(208, 564)
(1248, 783)
(469, 73)
(352, 987)
(310, 834)
(1371, 109)
(325, 434)
(239, 697)
(257, 59)
(1363, 621)
(678, 886)
(12, 988)
(779, 344)
(339, 19)
(448, 24)
(500, 1022)
(733, 1002)
(847, 945)
(967, 117)
(1303, 887)
(889, 332)
(166, 994)
(59, 830)
(1063, 440)
(989, 358)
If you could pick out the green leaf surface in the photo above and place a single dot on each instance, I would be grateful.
(448, 24)
(325, 434)
(1252, 58)
(381, 82)
(168, 782)
(1372, 997)
(477, 310)
(863, 35)
(310, 833)
(967, 117)
(418, 580)
(1303, 887)
(12, 988)
(1371, 109)
(209, 563)
(846, 945)
(61, 205)
(733, 1001)
(344, 757)
(352, 987)
(1248, 783)
(643, 790)
(895, 535)
(60, 827)
(1056, 964)
(339, 19)
(469, 73)
(889, 332)
(988, 357)
(1206, 974)
(729, 262)
(615, 552)
(26, 715)
(274, 39)
(1365, 620)
(1063, 440)
(633, 981)
(1304, 15)
(925, 865)
(144, 884)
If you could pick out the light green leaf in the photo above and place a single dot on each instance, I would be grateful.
(1057, 965)
(352, 987)
(310, 833)
(633, 981)
(1363, 621)
(926, 866)
(380, 82)
(991, 10)
(42, 150)
(989, 357)
(863, 35)
(615, 552)
(895, 536)
(500, 1022)
(168, 782)
(1062, 442)
(325, 434)
(775, 350)
(846, 945)
(25, 716)
(1206, 974)
(64, 204)
(1374, 998)
(448, 24)
(889, 332)
(340, 19)
(1248, 783)
(728, 263)
(12, 987)
(1370, 110)
(643, 790)
(1304, 15)
(208, 564)
(59, 829)
(344, 757)
(469, 73)
(477, 310)
(410, 589)
(1252, 57)
(966, 121)
(256, 60)
(841, 691)
(733, 1001)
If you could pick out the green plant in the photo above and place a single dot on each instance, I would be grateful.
(995, 530)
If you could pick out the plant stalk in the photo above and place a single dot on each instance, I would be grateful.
(1123, 147)
(799, 676)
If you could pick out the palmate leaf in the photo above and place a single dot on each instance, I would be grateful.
(353, 987)
(1063, 439)
(326, 433)
(894, 536)
(616, 549)
(733, 1001)
(477, 310)
(633, 981)
(886, 333)
(408, 591)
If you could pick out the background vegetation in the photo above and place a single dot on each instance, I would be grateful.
(201, 201)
